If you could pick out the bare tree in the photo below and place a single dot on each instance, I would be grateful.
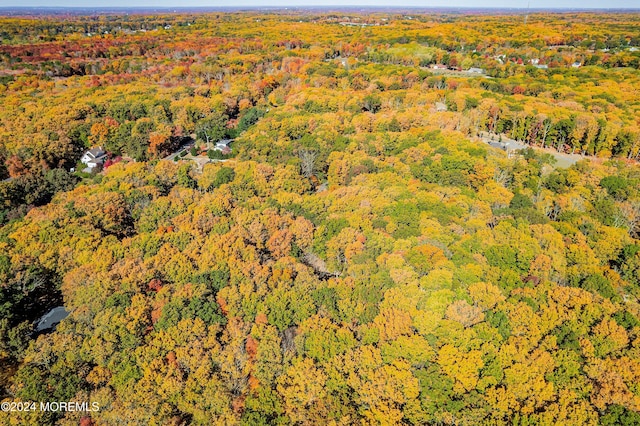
(307, 161)
(503, 177)
(552, 211)
(633, 152)
(630, 212)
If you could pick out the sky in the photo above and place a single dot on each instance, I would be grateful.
(534, 4)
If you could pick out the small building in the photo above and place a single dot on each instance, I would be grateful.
(576, 65)
(438, 67)
(535, 61)
(542, 66)
(476, 70)
(94, 157)
(441, 107)
(223, 145)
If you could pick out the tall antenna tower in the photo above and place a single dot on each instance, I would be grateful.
(526, 16)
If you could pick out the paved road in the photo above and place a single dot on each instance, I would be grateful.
(185, 147)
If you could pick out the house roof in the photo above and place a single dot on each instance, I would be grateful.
(224, 142)
(96, 152)
(95, 162)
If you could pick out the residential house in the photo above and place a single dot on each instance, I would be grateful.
(94, 157)
(223, 146)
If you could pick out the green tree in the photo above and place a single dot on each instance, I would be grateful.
(212, 128)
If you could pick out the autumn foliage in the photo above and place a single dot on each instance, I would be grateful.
(361, 258)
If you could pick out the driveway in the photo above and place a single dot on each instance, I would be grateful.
(563, 160)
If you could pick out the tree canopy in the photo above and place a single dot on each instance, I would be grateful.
(362, 257)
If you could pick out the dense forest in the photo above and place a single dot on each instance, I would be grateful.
(357, 252)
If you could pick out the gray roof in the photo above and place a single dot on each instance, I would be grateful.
(96, 152)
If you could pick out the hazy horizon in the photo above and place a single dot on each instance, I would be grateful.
(489, 4)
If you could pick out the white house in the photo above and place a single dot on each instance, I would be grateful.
(223, 145)
(94, 157)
